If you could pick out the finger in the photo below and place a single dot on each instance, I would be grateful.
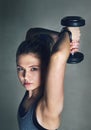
(74, 50)
(73, 47)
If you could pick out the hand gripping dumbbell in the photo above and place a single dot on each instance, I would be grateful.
(74, 21)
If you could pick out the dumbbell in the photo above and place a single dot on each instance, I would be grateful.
(69, 21)
(74, 21)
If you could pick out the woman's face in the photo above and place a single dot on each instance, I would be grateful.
(29, 71)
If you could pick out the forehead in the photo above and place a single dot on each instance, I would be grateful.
(28, 59)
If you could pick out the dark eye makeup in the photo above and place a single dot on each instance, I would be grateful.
(19, 69)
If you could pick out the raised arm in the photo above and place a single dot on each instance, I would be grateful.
(54, 87)
(51, 105)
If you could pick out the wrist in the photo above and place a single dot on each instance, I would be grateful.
(64, 30)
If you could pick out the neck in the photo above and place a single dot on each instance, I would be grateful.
(35, 93)
(30, 94)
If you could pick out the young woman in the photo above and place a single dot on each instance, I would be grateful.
(41, 68)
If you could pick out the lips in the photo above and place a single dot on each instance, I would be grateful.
(27, 84)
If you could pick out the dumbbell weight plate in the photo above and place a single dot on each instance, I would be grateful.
(73, 21)
(76, 58)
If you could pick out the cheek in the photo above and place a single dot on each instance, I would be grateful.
(38, 77)
(20, 77)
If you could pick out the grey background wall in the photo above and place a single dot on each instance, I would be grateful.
(16, 17)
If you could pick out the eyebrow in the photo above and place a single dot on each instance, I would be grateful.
(29, 66)
(34, 65)
(20, 66)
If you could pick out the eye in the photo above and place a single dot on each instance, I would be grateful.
(20, 69)
(34, 69)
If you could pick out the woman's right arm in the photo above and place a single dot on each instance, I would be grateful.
(51, 105)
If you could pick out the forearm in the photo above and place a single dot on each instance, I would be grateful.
(62, 46)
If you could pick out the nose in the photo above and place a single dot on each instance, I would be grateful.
(26, 74)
